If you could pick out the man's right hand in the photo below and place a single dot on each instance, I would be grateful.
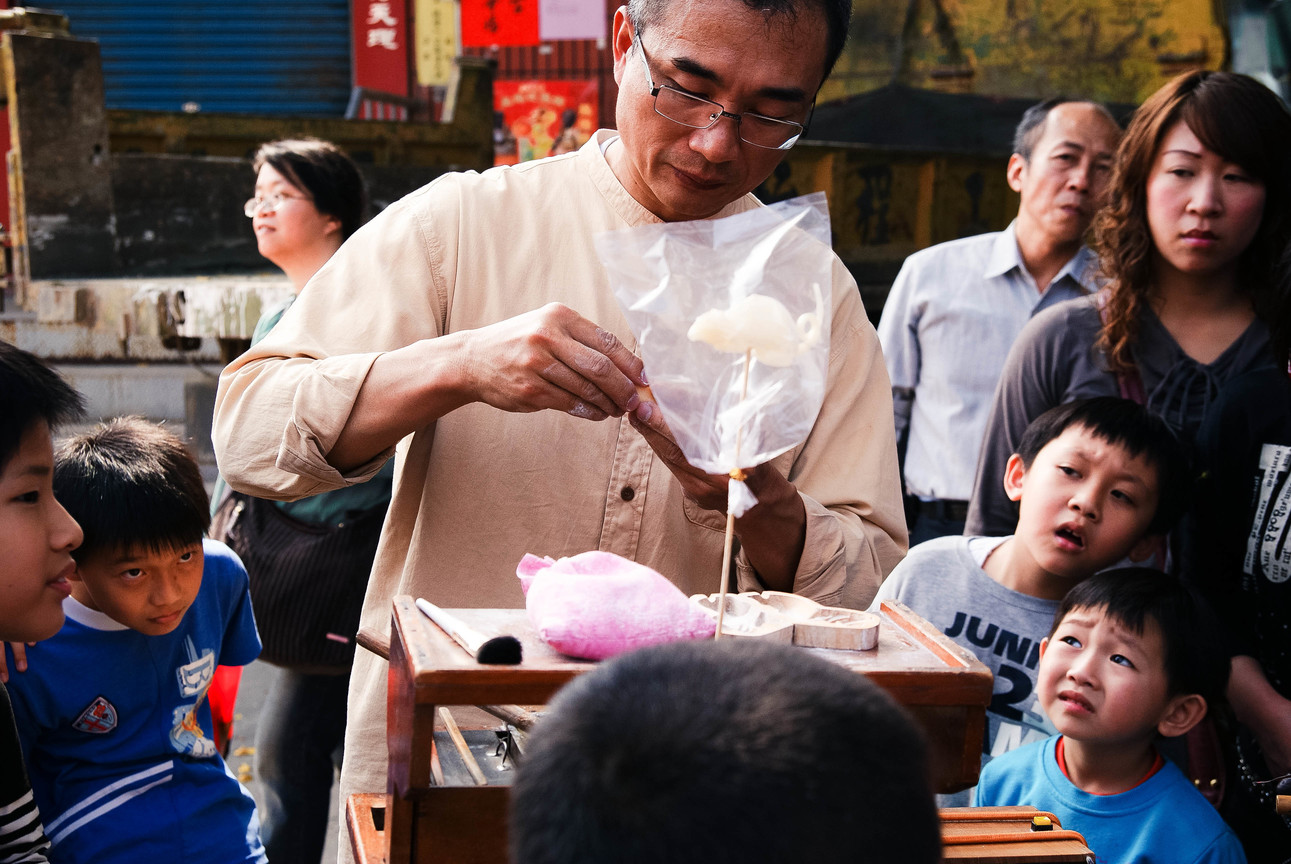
(551, 358)
(548, 359)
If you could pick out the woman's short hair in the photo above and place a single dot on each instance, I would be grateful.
(324, 172)
(1245, 123)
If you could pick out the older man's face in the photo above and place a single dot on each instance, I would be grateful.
(723, 51)
(1065, 181)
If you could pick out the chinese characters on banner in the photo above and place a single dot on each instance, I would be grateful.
(499, 22)
(436, 39)
(542, 118)
(380, 45)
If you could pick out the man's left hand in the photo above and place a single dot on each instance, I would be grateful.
(706, 490)
(771, 534)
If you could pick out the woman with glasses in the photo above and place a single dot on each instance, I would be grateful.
(309, 198)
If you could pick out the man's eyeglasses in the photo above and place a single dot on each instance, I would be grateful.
(271, 203)
(700, 113)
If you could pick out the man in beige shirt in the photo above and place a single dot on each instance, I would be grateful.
(516, 426)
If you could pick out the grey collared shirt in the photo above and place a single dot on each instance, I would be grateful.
(946, 329)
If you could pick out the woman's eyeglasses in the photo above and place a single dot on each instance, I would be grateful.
(271, 203)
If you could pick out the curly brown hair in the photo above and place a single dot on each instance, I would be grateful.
(1245, 123)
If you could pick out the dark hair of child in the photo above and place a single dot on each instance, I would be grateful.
(31, 391)
(1195, 661)
(131, 483)
(1129, 425)
(723, 751)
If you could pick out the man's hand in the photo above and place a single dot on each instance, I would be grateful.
(772, 534)
(706, 490)
(548, 359)
(551, 358)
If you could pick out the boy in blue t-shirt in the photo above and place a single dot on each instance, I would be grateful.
(37, 537)
(1132, 655)
(112, 712)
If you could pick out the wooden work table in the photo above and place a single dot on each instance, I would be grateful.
(945, 687)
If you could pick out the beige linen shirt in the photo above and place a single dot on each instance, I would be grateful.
(480, 487)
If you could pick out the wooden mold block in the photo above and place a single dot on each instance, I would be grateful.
(778, 616)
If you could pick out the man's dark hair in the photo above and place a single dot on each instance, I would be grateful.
(1132, 596)
(1128, 425)
(131, 484)
(31, 392)
(838, 16)
(726, 750)
(322, 171)
(1031, 126)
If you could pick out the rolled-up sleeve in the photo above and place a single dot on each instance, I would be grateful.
(282, 405)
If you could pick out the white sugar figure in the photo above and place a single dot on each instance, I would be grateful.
(760, 328)
(762, 325)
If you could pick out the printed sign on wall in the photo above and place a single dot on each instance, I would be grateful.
(499, 22)
(436, 35)
(380, 45)
(542, 118)
(571, 19)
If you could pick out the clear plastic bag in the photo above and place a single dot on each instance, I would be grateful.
(666, 276)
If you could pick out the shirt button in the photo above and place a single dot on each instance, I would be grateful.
(627, 493)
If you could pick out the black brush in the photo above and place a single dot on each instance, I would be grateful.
(495, 651)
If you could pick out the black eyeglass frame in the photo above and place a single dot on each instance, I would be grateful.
(720, 111)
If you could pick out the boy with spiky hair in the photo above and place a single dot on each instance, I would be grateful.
(1131, 658)
(112, 712)
(1099, 480)
(37, 537)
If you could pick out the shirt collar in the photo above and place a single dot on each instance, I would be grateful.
(77, 611)
(1005, 256)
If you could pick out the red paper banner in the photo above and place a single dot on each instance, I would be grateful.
(380, 29)
(499, 22)
(542, 118)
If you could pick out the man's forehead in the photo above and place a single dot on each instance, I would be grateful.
(730, 42)
(1080, 125)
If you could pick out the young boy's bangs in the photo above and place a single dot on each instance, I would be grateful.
(1195, 661)
(132, 486)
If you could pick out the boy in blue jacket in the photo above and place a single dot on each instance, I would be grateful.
(112, 712)
(1132, 655)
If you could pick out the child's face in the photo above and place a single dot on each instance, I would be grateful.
(37, 537)
(1100, 682)
(145, 590)
(1085, 504)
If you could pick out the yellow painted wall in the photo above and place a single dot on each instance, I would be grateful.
(1111, 50)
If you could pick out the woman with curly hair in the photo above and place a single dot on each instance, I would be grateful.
(1191, 245)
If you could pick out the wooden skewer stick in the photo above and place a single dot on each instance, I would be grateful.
(736, 475)
(465, 751)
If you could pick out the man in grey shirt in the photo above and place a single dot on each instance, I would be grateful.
(956, 308)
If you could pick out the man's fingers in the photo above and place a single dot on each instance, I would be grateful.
(606, 363)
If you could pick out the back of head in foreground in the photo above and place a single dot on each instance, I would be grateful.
(133, 485)
(725, 751)
(1194, 659)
